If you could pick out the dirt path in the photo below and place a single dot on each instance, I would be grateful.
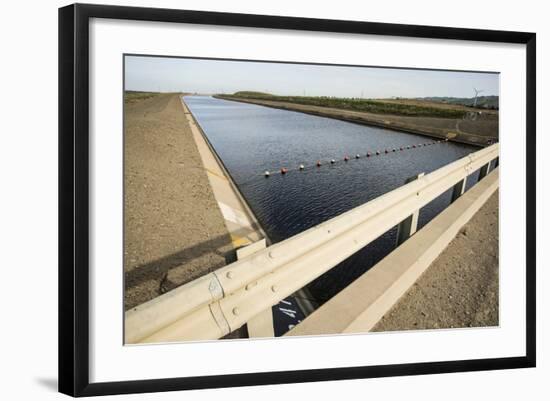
(172, 220)
(460, 288)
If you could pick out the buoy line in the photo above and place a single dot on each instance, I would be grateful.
(284, 170)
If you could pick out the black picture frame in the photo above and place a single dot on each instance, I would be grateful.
(74, 198)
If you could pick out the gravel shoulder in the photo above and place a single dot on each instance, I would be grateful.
(461, 287)
(171, 219)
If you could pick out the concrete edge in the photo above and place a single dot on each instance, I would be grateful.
(235, 188)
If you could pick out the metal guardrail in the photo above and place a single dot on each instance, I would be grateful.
(363, 303)
(222, 301)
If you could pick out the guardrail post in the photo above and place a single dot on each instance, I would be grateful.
(458, 189)
(408, 226)
(483, 171)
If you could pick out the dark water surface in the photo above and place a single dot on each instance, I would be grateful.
(251, 139)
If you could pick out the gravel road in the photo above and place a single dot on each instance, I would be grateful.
(460, 288)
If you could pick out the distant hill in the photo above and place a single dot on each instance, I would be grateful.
(252, 94)
(490, 102)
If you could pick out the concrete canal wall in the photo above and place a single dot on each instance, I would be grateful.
(241, 223)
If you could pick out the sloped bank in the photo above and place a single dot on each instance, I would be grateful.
(476, 133)
(174, 231)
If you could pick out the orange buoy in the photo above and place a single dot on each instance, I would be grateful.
(283, 170)
(368, 154)
(401, 148)
(386, 151)
(414, 146)
(346, 158)
(318, 163)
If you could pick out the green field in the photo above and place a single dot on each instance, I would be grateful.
(357, 104)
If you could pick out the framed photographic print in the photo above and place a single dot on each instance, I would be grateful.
(251, 199)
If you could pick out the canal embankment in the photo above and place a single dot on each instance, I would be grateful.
(174, 231)
(476, 130)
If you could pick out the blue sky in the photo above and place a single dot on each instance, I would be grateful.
(217, 76)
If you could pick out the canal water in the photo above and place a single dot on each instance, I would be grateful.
(251, 139)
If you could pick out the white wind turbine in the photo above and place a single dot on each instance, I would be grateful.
(477, 91)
